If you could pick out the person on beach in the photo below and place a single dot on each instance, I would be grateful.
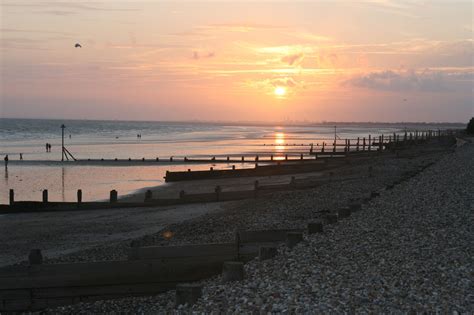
(21, 156)
(47, 147)
(6, 161)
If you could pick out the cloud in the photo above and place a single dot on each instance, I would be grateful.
(287, 81)
(15, 30)
(241, 27)
(198, 55)
(293, 59)
(411, 80)
(64, 5)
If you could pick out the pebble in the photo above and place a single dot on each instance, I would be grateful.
(408, 250)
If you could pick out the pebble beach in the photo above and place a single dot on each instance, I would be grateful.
(408, 250)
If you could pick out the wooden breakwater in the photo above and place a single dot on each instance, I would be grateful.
(361, 147)
(219, 194)
(263, 170)
(148, 270)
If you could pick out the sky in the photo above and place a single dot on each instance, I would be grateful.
(378, 60)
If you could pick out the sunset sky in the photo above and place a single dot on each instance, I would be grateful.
(377, 60)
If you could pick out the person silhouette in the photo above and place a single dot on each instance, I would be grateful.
(21, 156)
(6, 161)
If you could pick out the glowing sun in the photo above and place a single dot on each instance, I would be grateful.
(279, 91)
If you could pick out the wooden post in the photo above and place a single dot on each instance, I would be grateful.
(315, 227)
(232, 271)
(271, 157)
(363, 144)
(148, 195)
(12, 197)
(286, 157)
(218, 190)
(334, 146)
(267, 252)
(322, 149)
(35, 257)
(370, 143)
(62, 143)
(243, 158)
(358, 142)
(113, 196)
(256, 158)
(45, 196)
(233, 167)
(188, 294)
(293, 238)
(79, 196)
(301, 156)
(228, 158)
(348, 145)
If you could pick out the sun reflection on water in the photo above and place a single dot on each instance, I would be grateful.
(279, 141)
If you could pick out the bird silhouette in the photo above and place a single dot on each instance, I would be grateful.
(78, 45)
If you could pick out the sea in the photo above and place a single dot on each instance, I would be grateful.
(93, 139)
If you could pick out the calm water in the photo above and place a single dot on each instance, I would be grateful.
(118, 139)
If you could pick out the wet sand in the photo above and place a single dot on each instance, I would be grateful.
(60, 233)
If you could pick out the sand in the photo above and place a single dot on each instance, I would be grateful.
(60, 233)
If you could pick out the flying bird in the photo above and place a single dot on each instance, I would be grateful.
(78, 45)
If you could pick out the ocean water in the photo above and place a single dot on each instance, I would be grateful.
(118, 139)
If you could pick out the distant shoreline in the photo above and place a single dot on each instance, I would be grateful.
(254, 123)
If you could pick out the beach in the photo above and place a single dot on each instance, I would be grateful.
(407, 250)
(392, 187)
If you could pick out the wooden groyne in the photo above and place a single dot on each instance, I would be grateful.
(323, 163)
(264, 170)
(148, 270)
(360, 148)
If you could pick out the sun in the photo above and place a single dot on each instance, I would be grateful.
(279, 91)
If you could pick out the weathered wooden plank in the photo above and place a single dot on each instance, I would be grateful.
(264, 235)
(16, 305)
(117, 272)
(211, 251)
(87, 292)
(15, 294)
